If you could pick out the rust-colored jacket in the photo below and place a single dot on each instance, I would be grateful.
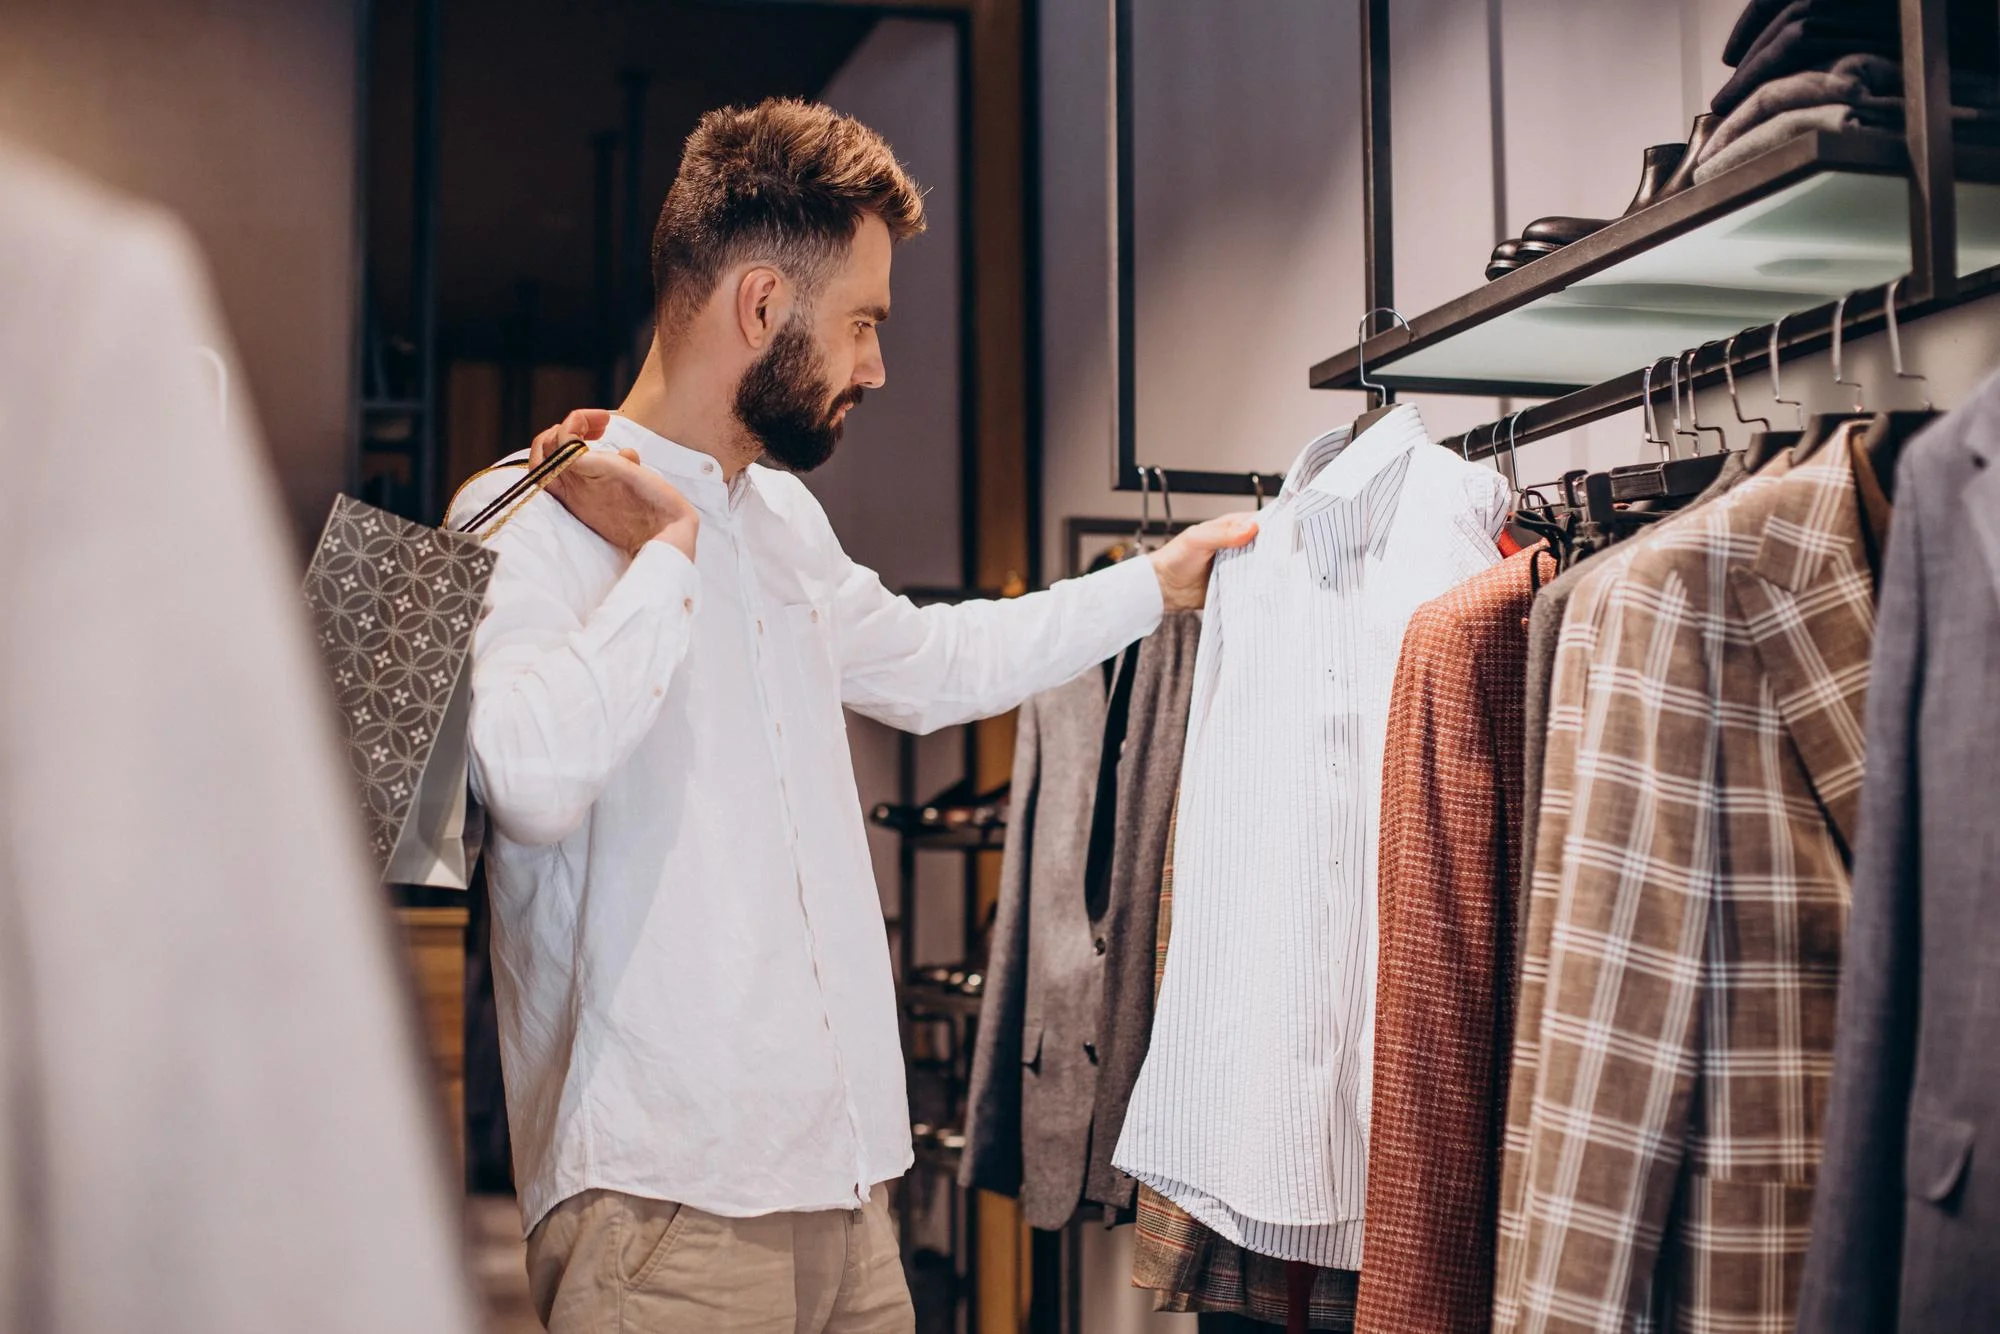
(1451, 840)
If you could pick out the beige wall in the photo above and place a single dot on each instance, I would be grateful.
(239, 115)
(892, 489)
(1249, 213)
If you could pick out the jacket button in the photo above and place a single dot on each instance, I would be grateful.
(1099, 944)
(1090, 1050)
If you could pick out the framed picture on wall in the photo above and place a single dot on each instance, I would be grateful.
(1091, 541)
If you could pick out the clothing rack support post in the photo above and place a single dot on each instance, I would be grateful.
(426, 465)
(1927, 127)
(1377, 199)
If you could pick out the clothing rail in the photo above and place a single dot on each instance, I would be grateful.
(1800, 335)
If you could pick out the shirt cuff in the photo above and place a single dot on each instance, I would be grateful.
(660, 585)
(1128, 598)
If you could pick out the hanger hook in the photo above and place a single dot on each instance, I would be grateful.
(1257, 488)
(1651, 423)
(1166, 501)
(1361, 348)
(1839, 324)
(1145, 509)
(1694, 404)
(1674, 381)
(1513, 456)
(1729, 374)
(1777, 393)
(1896, 343)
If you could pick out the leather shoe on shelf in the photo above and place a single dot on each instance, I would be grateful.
(1662, 161)
(1506, 258)
(1557, 232)
(1699, 134)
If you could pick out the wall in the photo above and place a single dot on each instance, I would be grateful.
(892, 488)
(1248, 212)
(238, 115)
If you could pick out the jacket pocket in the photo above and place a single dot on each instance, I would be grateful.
(1935, 1158)
(1031, 1047)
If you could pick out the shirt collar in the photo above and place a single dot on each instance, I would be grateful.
(1366, 472)
(696, 475)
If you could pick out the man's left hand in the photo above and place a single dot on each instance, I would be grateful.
(1182, 564)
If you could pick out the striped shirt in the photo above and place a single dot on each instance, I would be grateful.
(1252, 1110)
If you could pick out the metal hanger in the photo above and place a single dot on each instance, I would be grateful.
(1694, 406)
(1896, 343)
(1166, 501)
(1257, 488)
(1729, 374)
(1513, 456)
(1145, 511)
(1890, 431)
(1767, 444)
(1647, 422)
(1674, 382)
(1777, 391)
(1823, 426)
(1375, 414)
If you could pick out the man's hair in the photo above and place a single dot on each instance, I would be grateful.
(785, 182)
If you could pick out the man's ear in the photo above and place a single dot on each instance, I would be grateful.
(763, 304)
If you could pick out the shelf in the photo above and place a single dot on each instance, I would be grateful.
(1791, 230)
(925, 997)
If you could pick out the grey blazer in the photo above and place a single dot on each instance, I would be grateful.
(1069, 984)
(1034, 1076)
(1149, 776)
(1906, 1218)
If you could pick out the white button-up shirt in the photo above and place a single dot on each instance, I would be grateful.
(1251, 1111)
(695, 996)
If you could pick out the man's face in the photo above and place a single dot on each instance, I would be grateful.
(794, 399)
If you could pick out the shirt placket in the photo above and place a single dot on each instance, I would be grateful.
(768, 675)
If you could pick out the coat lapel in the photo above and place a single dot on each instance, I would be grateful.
(1808, 608)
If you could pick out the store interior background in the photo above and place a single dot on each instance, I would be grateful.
(281, 134)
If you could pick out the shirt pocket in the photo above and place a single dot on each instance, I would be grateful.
(815, 680)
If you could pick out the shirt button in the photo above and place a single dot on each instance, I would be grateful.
(708, 467)
(781, 729)
(760, 625)
(687, 605)
(815, 614)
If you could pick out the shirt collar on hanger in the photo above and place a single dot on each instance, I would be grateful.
(1367, 473)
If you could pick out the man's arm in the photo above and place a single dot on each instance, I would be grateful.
(560, 700)
(925, 668)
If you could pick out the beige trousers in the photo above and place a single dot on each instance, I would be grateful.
(606, 1263)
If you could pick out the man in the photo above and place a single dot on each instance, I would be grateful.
(698, 1018)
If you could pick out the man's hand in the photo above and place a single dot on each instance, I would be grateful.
(1182, 564)
(623, 502)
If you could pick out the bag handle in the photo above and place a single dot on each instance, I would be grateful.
(510, 501)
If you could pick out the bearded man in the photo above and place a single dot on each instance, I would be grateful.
(697, 1012)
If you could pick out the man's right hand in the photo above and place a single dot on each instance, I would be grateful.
(613, 494)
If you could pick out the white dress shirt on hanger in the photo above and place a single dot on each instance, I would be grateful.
(696, 1002)
(1252, 1110)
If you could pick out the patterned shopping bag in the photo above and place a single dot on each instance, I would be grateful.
(394, 604)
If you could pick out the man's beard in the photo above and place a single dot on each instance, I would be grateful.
(782, 401)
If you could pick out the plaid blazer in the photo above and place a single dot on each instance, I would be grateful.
(1186, 1265)
(1675, 1029)
(1451, 839)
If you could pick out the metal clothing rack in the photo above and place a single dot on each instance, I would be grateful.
(1924, 156)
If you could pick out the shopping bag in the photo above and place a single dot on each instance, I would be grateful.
(394, 605)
